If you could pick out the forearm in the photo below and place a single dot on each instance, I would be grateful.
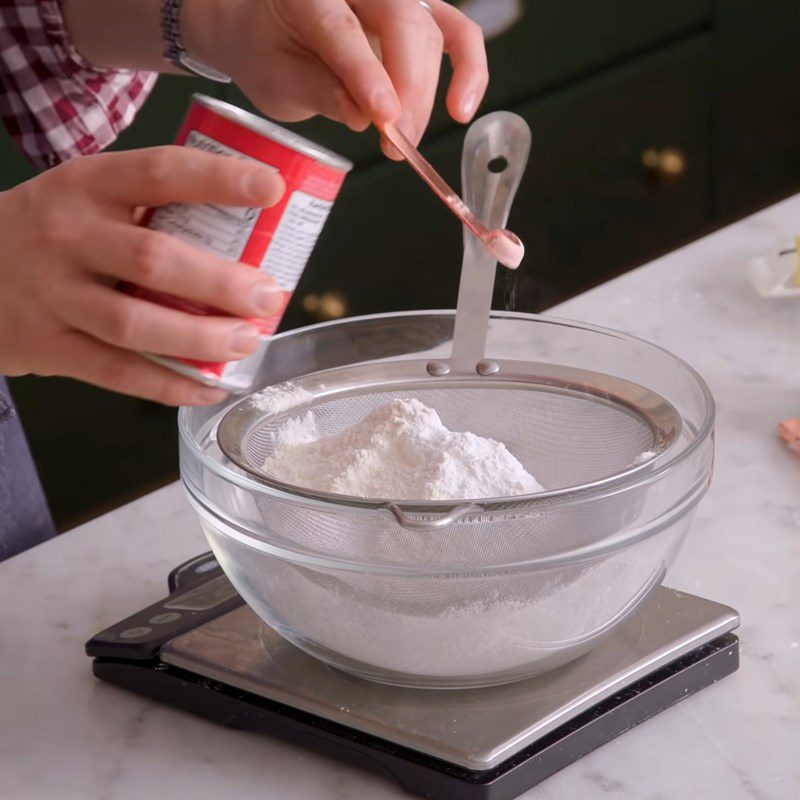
(126, 34)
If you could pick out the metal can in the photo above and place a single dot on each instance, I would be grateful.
(277, 240)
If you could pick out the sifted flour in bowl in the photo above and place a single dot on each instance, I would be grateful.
(400, 451)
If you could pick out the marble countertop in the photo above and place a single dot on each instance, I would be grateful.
(65, 735)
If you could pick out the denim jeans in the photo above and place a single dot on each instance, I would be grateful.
(24, 515)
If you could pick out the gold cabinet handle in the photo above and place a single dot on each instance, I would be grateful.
(327, 306)
(666, 164)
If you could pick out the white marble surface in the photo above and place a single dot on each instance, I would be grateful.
(65, 735)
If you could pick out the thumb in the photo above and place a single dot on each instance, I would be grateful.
(172, 174)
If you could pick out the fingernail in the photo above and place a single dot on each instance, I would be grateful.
(358, 125)
(385, 105)
(206, 396)
(469, 104)
(264, 186)
(267, 299)
(391, 151)
(410, 131)
(244, 339)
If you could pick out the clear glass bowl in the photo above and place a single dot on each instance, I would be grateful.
(491, 598)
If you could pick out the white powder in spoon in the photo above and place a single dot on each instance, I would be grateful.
(400, 451)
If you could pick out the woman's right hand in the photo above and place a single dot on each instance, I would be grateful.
(69, 236)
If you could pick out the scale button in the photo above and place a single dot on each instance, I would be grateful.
(135, 633)
(163, 619)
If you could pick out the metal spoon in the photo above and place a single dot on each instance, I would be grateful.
(492, 165)
(505, 246)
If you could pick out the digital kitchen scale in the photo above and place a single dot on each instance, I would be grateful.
(203, 650)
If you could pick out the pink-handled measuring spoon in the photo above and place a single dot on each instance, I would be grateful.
(505, 246)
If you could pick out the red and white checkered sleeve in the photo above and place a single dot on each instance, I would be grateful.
(54, 103)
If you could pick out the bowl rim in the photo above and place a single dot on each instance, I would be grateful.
(550, 500)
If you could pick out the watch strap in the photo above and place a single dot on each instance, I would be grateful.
(174, 51)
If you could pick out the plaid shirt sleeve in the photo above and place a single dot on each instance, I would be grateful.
(54, 103)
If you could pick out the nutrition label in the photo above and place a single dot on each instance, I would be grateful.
(221, 230)
(294, 238)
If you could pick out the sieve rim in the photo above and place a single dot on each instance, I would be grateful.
(241, 420)
(553, 498)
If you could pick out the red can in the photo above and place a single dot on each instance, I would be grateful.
(277, 240)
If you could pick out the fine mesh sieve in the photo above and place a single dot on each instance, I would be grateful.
(571, 436)
(570, 428)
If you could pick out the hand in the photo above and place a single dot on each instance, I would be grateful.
(789, 431)
(298, 58)
(69, 237)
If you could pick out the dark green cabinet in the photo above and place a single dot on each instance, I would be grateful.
(756, 138)
(554, 45)
(652, 124)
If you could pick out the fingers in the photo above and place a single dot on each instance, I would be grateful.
(164, 263)
(464, 43)
(132, 324)
(330, 30)
(315, 90)
(351, 114)
(789, 431)
(156, 176)
(79, 356)
(411, 46)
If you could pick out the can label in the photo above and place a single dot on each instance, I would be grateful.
(278, 240)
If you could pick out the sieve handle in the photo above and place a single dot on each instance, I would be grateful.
(416, 524)
(494, 159)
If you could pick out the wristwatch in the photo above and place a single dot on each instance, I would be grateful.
(174, 51)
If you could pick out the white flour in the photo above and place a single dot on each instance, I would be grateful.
(477, 638)
(400, 451)
(275, 399)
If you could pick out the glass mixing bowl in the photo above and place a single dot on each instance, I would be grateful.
(495, 595)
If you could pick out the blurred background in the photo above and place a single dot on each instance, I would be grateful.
(653, 123)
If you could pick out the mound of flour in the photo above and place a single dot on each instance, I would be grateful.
(400, 451)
